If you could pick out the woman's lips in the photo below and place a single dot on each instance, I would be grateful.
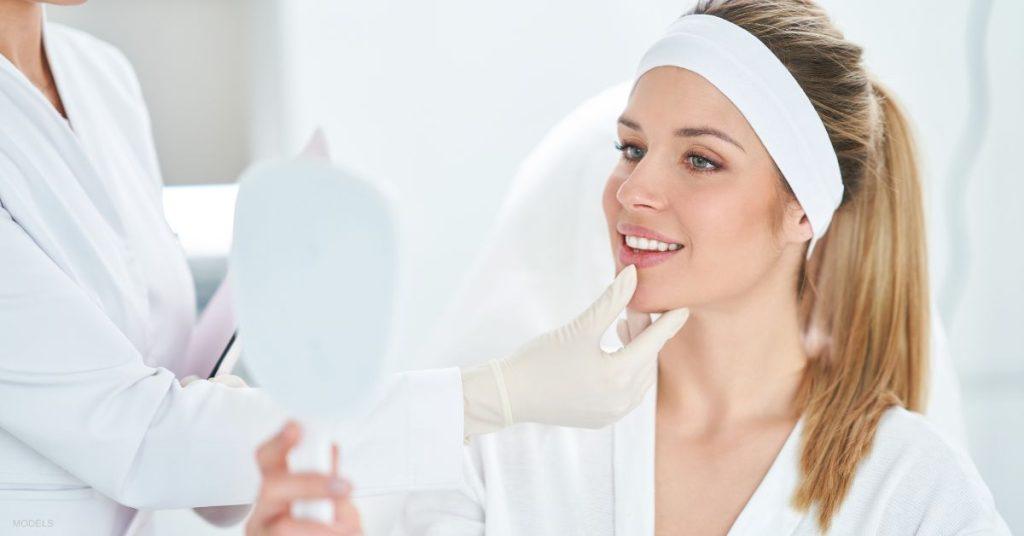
(640, 257)
(636, 230)
(643, 258)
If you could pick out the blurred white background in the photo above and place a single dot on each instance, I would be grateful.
(444, 99)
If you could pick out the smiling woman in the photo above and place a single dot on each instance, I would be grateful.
(769, 184)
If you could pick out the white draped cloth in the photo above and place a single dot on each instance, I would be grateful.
(552, 481)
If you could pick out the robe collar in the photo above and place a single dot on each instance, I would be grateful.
(767, 512)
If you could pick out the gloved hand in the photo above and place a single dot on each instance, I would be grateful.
(564, 377)
(632, 325)
(227, 379)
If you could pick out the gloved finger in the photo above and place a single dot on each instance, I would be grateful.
(606, 309)
(636, 322)
(648, 343)
(230, 380)
(622, 330)
(644, 380)
(188, 379)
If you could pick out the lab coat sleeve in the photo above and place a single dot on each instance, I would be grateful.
(74, 389)
(455, 512)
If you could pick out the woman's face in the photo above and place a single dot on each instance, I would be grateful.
(695, 176)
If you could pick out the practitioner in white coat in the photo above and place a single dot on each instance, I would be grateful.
(792, 398)
(97, 306)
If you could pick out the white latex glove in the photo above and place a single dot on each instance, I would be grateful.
(632, 325)
(564, 377)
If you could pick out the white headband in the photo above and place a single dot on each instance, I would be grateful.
(752, 77)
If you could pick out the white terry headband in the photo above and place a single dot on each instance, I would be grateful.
(762, 88)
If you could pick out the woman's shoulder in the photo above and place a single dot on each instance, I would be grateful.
(914, 476)
(909, 446)
(909, 429)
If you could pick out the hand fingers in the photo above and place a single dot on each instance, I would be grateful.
(648, 343)
(272, 456)
(637, 322)
(230, 380)
(277, 493)
(606, 309)
(622, 330)
(346, 515)
(283, 489)
(632, 325)
(280, 488)
(644, 380)
(289, 526)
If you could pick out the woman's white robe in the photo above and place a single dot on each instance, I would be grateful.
(547, 480)
(96, 309)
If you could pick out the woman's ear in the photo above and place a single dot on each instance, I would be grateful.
(796, 226)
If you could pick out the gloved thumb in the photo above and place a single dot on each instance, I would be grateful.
(648, 343)
(606, 309)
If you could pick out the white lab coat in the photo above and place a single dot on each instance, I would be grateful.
(548, 480)
(96, 309)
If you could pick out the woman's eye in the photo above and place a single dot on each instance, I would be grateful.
(630, 152)
(700, 163)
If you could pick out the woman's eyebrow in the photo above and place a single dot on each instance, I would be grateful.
(686, 132)
(691, 132)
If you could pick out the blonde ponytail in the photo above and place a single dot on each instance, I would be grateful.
(869, 294)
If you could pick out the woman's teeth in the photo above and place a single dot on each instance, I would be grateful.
(649, 244)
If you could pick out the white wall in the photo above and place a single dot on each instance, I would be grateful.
(191, 57)
(444, 98)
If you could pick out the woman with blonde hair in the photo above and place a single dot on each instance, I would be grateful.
(769, 184)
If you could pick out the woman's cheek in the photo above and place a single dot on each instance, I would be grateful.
(721, 218)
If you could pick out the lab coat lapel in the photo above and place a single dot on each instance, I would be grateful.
(85, 135)
(768, 511)
(55, 194)
(633, 454)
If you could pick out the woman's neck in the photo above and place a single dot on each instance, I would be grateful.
(737, 363)
(21, 38)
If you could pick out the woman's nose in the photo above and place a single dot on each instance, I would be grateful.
(640, 190)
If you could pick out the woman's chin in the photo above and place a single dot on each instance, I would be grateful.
(644, 303)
